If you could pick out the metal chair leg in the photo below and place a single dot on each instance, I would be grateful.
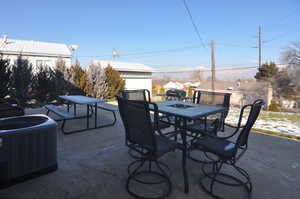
(137, 174)
(216, 171)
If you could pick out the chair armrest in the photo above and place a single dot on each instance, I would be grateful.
(11, 101)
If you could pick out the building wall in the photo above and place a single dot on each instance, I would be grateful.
(137, 80)
(38, 60)
(138, 84)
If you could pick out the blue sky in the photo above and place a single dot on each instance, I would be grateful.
(133, 26)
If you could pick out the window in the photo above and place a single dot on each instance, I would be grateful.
(43, 63)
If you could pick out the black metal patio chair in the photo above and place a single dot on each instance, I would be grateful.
(175, 94)
(141, 137)
(172, 95)
(10, 107)
(210, 98)
(143, 95)
(227, 152)
(138, 94)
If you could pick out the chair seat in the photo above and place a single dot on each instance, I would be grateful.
(11, 112)
(221, 147)
(165, 145)
(199, 126)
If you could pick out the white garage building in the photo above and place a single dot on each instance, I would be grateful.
(36, 52)
(136, 75)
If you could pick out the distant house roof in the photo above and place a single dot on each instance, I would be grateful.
(173, 85)
(37, 48)
(124, 66)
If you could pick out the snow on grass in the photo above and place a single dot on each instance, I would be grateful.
(287, 123)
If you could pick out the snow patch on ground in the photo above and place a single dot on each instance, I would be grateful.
(276, 124)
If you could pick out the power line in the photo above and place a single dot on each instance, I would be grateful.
(193, 22)
(281, 35)
(163, 51)
(148, 52)
(284, 18)
(232, 45)
(209, 70)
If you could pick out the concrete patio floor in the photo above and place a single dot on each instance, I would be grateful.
(93, 164)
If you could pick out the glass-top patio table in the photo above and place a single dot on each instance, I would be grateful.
(184, 111)
(90, 103)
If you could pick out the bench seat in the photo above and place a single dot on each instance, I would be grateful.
(108, 107)
(57, 111)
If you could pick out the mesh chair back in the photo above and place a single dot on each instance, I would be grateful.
(137, 122)
(252, 117)
(140, 94)
(175, 94)
(212, 98)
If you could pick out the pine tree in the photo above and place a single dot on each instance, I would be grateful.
(61, 77)
(44, 88)
(5, 73)
(114, 82)
(85, 84)
(21, 79)
(79, 80)
(267, 71)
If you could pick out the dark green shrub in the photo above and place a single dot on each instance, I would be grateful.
(21, 79)
(44, 88)
(4, 77)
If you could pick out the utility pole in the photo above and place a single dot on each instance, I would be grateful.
(259, 46)
(213, 65)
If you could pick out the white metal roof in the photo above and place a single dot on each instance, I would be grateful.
(124, 66)
(173, 85)
(26, 47)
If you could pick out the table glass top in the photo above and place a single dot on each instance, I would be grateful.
(189, 110)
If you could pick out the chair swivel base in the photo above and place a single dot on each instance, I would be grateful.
(135, 155)
(215, 173)
(205, 160)
(158, 177)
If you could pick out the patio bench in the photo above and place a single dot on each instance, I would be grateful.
(110, 108)
(64, 115)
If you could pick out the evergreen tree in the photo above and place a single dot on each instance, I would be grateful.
(4, 77)
(21, 79)
(79, 79)
(267, 71)
(75, 74)
(61, 77)
(44, 84)
(85, 84)
(114, 82)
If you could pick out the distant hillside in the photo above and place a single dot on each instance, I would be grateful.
(221, 73)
